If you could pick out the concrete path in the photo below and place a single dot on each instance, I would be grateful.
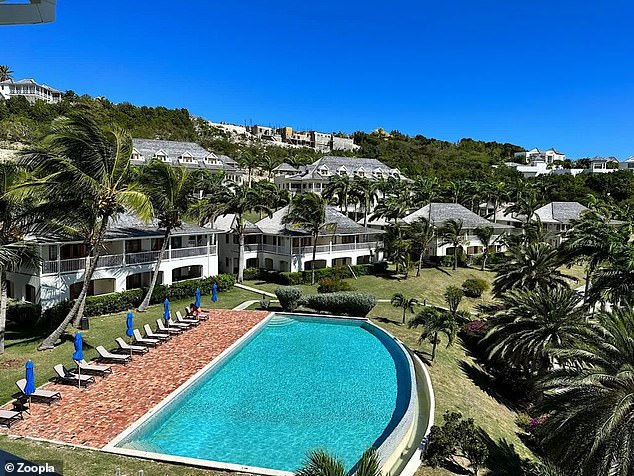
(254, 290)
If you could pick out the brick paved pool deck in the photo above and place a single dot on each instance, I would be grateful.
(93, 416)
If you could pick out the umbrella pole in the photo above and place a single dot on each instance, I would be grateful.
(78, 376)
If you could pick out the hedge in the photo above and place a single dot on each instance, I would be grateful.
(349, 303)
(474, 287)
(304, 277)
(289, 297)
(333, 285)
(117, 302)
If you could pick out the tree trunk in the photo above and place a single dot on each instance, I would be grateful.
(365, 215)
(3, 308)
(91, 264)
(241, 257)
(455, 257)
(420, 262)
(586, 288)
(495, 210)
(484, 260)
(404, 309)
(312, 268)
(146, 301)
(433, 348)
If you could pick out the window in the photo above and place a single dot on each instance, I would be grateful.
(72, 251)
(177, 242)
(347, 239)
(10, 289)
(132, 246)
(29, 293)
(157, 244)
(52, 252)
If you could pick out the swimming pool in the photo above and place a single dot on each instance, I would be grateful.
(298, 383)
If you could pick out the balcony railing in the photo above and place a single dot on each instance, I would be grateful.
(116, 261)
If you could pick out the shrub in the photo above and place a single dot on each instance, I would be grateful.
(24, 314)
(379, 268)
(446, 261)
(349, 303)
(251, 273)
(291, 279)
(116, 302)
(333, 285)
(223, 281)
(474, 287)
(289, 297)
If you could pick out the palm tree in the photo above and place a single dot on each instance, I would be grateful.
(339, 187)
(530, 267)
(424, 191)
(498, 191)
(525, 205)
(249, 161)
(396, 246)
(308, 211)
(237, 200)
(267, 164)
(320, 463)
(589, 415)
(19, 216)
(433, 322)
(533, 324)
(171, 191)
(366, 191)
(390, 208)
(485, 235)
(5, 73)
(407, 304)
(87, 171)
(452, 233)
(421, 232)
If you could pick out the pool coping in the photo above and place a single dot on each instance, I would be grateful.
(111, 447)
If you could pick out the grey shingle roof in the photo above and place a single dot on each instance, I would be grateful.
(441, 212)
(227, 223)
(344, 225)
(560, 212)
(334, 163)
(284, 167)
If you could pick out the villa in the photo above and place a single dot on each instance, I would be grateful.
(185, 154)
(535, 155)
(314, 177)
(31, 90)
(439, 213)
(127, 263)
(271, 244)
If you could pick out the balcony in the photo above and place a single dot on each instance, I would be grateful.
(120, 260)
(308, 250)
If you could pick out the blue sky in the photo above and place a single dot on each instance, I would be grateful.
(539, 73)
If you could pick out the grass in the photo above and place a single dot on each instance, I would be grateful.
(78, 461)
(22, 345)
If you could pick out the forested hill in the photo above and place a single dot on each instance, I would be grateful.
(419, 155)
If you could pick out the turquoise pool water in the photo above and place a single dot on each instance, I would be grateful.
(300, 383)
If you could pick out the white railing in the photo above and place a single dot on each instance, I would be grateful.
(109, 261)
(213, 249)
(304, 250)
(187, 252)
(142, 257)
(69, 265)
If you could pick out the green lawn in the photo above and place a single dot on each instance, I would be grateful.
(21, 346)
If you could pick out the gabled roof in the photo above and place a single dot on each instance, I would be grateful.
(560, 212)
(439, 213)
(552, 149)
(227, 223)
(174, 149)
(284, 167)
(344, 225)
(335, 164)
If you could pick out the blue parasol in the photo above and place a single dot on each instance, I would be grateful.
(166, 310)
(214, 292)
(29, 388)
(197, 294)
(78, 355)
(130, 325)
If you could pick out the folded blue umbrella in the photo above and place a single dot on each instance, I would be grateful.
(29, 388)
(214, 292)
(197, 294)
(166, 310)
(79, 347)
(130, 325)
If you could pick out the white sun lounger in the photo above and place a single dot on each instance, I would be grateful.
(149, 333)
(102, 370)
(124, 347)
(180, 318)
(171, 330)
(139, 339)
(65, 376)
(181, 325)
(42, 395)
(8, 417)
(106, 356)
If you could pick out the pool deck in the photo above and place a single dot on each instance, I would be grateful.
(95, 415)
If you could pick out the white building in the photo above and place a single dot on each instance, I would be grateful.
(627, 164)
(271, 244)
(314, 177)
(131, 250)
(31, 90)
(603, 165)
(535, 155)
(439, 213)
(185, 154)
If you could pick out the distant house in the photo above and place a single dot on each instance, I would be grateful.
(439, 213)
(627, 164)
(284, 170)
(556, 218)
(127, 262)
(535, 155)
(186, 154)
(603, 165)
(314, 177)
(31, 90)
(273, 245)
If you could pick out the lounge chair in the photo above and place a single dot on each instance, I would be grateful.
(105, 356)
(169, 330)
(149, 333)
(189, 312)
(180, 318)
(139, 339)
(126, 348)
(87, 368)
(181, 325)
(45, 396)
(8, 417)
(65, 376)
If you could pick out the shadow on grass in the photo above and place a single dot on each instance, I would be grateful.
(503, 460)
(486, 383)
(24, 336)
(387, 320)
